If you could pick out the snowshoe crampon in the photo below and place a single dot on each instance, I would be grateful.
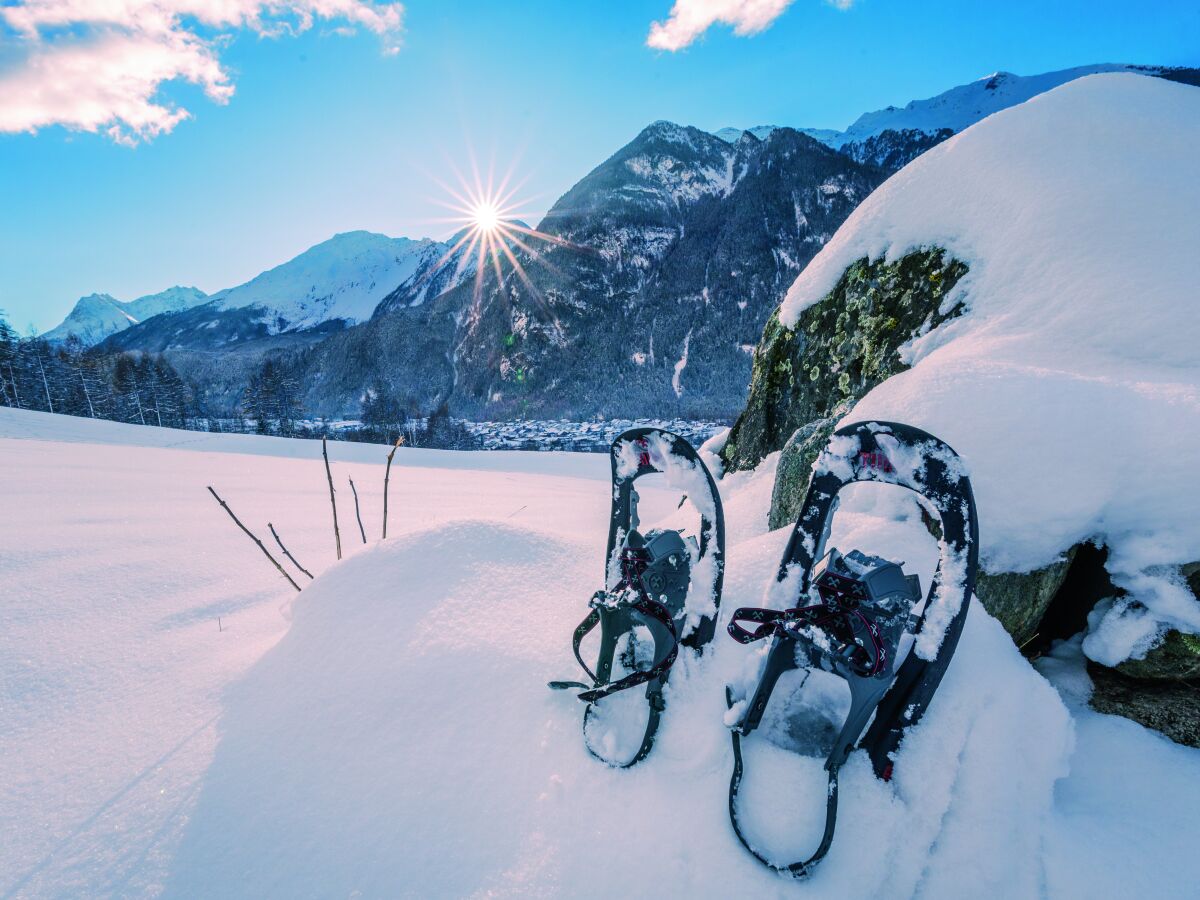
(853, 617)
(662, 591)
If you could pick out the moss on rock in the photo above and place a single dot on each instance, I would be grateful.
(1177, 655)
(1176, 658)
(1020, 599)
(841, 347)
(1172, 707)
(795, 467)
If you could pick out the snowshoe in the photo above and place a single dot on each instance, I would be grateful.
(855, 615)
(662, 588)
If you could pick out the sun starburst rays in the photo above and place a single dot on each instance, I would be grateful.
(493, 240)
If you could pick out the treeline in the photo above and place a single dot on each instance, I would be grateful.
(145, 389)
(67, 378)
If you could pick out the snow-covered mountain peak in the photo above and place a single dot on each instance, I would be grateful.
(342, 278)
(97, 316)
(950, 111)
(964, 105)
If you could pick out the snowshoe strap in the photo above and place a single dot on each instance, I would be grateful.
(600, 609)
(796, 869)
(788, 623)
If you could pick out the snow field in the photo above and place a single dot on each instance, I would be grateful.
(115, 564)
(396, 737)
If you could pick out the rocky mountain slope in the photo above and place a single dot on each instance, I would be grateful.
(334, 284)
(657, 274)
(97, 316)
(654, 285)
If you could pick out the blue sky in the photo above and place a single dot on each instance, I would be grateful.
(327, 132)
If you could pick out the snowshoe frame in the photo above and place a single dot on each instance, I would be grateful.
(854, 454)
(665, 624)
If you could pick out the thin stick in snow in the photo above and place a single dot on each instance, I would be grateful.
(337, 535)
(387, 475)
(357, 515)
(266, 552)
(286, 552)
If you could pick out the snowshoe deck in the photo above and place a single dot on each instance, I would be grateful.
(650, 579)
(866, 607)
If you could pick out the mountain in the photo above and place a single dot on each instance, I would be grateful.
(331, 286)
(731, 135)
(892, 137)
(97, 316)
(341, 279)
(336, 283)
(652, 288)
(646, 296)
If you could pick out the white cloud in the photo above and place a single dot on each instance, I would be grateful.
(99, 65)
(691, 18)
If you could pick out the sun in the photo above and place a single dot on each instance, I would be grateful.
(491, 236)
(486, 216)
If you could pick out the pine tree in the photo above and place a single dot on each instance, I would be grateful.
(9, 393)
(128, 390)
(383, 413)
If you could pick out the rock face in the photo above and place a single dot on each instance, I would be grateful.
(805, 380)
(1172, 707)
(842, 347)
(892, 149)
(1020, 599)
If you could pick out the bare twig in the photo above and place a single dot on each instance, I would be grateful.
(337, 535)
(266, 552)
(357, 515)
(286, 552)
(387, 475)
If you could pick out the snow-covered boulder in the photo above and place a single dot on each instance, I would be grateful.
(1062, 364)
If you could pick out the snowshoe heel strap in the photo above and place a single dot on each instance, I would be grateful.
(796, 869)
(615, 619)
(655, 614)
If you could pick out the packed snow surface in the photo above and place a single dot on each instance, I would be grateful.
(388, 733)
(1072, 381)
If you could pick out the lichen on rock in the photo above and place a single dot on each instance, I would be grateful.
(1020, 599)
(841, 347)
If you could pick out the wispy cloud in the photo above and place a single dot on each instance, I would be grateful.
(689, 19)
(99, 65)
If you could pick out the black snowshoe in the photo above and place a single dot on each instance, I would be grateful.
(653, 581)
(864, 606)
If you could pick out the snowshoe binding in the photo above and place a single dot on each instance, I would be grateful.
(662, 590)
(854, 616)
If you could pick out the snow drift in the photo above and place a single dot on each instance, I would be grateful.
(1072, 382)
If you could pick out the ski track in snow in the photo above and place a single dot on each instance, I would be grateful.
(389, 732)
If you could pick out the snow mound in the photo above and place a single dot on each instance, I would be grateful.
(400, 741)
(1072, 382)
